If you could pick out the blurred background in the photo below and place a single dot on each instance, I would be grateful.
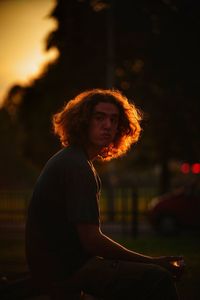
(52, 50)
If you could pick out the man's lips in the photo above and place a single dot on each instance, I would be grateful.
(106, 135)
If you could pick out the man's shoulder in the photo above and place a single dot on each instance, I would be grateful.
(70, 156)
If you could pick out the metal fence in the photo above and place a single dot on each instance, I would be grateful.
(13, 208)
(120, 207)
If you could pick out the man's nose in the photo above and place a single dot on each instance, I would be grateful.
(107, 123)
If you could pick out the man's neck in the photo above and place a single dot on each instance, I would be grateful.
(93, 152)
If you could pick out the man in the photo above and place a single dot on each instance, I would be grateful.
(66, 249)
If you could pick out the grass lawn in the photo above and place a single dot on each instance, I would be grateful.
(12, 257)
(188, 246)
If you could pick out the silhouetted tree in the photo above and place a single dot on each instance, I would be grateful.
(152, 48)
(162, 74)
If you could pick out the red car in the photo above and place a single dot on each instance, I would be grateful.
(175, 211)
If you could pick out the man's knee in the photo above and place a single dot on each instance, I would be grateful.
(159, 272)
(161, 283)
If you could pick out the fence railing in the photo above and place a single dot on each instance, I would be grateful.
(122, 206)
(13, 208)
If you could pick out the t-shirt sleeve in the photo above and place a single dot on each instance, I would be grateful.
(83, 197)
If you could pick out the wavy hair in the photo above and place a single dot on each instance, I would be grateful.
(71, 123)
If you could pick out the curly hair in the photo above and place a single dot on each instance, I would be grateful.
(72, 122)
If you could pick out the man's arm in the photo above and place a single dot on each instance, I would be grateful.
(98, 244)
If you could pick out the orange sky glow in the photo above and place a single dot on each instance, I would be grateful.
(24, 26)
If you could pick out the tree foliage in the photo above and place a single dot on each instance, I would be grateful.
(151, 50)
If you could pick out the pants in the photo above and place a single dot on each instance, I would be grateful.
(117, 280)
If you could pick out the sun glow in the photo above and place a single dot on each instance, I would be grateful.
(24, 26)
(32, 65)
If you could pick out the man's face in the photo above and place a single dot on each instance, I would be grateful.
(103, 125)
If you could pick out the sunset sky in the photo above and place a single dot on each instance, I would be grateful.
(24, 26)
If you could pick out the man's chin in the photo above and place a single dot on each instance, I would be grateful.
(105, 145)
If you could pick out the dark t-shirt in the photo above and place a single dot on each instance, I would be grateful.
(66, 193)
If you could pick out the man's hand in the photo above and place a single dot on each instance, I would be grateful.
(174, 264)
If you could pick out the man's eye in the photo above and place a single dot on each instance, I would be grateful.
(99, 118)
(114, 120)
